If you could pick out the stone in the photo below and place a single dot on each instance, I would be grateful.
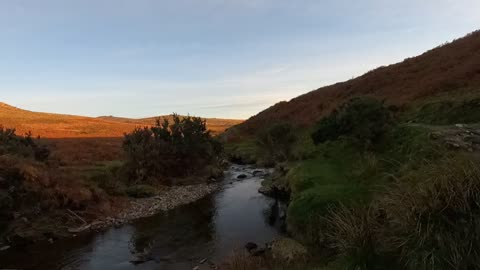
(4, 248)
(140, 258)
(242, 176)
(257, 172)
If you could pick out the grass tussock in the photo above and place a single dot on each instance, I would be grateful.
(241, 260)
(353, 233)
(435, 222)
(429, 220)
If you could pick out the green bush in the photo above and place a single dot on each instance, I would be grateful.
(364, 119)
(276, 142)
(167, 151)
(109, 182)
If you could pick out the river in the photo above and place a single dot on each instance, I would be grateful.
(206, 230)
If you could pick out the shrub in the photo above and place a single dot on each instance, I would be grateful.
(109, 182)
(364, 119)
(22, 146)
(276, 142)
(167, 151)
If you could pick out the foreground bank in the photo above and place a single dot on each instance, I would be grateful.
(202, 233)
(376, 187)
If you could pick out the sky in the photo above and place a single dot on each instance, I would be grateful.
(210, 58)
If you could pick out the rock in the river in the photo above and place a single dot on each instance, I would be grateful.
(140, 258)
(251, 246)
(258, 172)
(265, 190)
(242, 176)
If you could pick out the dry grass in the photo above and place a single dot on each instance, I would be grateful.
(85, 151)
(429, 220)
(354, 234)
(78, 140)
(241, 260)
(450, 68)
(435, 223)
(49, 125)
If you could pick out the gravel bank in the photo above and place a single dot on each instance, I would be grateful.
(166, 200)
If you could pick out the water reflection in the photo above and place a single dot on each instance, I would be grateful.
(210, 228)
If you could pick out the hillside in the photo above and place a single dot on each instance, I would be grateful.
(454, 67)
(49, 125)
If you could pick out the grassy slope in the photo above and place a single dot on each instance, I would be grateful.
(441, 88)
(451, 68)
(49, 125)
(340, 171)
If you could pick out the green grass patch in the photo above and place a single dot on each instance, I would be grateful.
(243, 152)
(342, 172)
(445, 110)
(321, 182)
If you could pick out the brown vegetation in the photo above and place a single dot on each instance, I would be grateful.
(454, 67)
(49, 125)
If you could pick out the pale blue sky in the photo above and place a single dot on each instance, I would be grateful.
(214, 58)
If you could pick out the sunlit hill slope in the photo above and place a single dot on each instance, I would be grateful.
(49, 125)
(446, 70)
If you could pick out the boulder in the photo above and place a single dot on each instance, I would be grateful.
(258, 172)
(242, 176)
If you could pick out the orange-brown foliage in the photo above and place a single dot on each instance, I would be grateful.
(452, 67)
(85, 151)
(49, 125)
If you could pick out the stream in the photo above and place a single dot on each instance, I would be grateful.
(196, 234)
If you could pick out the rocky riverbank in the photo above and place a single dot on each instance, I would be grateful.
(167, 199)
(67, 223)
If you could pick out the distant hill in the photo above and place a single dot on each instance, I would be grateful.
(451, 68)
(214, 124)
(50, 125)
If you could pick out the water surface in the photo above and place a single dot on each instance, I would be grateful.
(178, 239)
